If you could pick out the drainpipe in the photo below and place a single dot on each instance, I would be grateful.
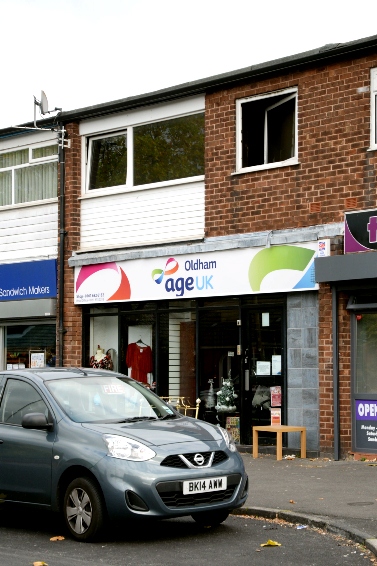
(335, 360)
(62, 234)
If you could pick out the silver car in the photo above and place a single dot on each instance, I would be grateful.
(96, 446)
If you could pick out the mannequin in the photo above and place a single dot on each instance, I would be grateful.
(100, 360)
(100, 354)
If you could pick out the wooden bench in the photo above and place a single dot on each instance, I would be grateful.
(279, 429)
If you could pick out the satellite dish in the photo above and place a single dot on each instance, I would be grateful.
(43, 103)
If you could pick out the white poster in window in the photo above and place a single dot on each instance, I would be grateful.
(276, 365)
(276, 416)
(263, 368)
(37, 359)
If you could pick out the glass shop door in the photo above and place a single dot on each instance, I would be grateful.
(264, 387)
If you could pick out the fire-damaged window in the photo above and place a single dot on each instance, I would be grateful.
(267, 130)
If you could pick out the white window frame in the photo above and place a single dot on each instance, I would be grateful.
(373, 109)
(128, 133)
(291, 93)
(103, 127)
(32, 162)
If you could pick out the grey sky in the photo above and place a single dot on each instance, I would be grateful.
(84, 52)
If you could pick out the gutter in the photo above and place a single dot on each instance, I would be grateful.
(62, 234)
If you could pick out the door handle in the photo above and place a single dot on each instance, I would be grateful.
(247, 380)
(1, 441)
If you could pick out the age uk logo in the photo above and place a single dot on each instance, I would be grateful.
(171, 267)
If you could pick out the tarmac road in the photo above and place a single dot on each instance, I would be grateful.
(25, 539)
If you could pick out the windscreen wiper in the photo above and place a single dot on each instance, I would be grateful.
(135, 419)
(168, 416)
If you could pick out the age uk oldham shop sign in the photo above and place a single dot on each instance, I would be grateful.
(232, 272)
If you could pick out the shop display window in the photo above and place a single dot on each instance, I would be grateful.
(30, 345)
(366, 353)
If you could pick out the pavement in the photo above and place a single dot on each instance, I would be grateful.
(338, 496)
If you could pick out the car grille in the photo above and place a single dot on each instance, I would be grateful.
(171, 493)
(176, 461)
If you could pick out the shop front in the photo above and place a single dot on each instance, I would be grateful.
(353, 279)
(213, 326)
(28, 293)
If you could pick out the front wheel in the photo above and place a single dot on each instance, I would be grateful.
(211, 518)
(83, 509)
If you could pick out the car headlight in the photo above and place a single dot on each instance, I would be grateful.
(127, 448)
(228, 439)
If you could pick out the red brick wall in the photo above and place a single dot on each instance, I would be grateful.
(72, 315)
(344, 324)
(333, 138)
(335, 173)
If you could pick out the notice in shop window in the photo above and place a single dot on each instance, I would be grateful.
(263, 368)
(276, 365)
(275, 396)
(37, 359)
(276, 416)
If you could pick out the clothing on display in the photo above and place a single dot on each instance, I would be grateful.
(139, 359)
(100, 360)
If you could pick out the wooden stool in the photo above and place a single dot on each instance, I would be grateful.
(279, 429)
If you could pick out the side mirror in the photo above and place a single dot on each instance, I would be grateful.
(36, 420)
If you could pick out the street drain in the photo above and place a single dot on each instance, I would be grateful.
(361, 503)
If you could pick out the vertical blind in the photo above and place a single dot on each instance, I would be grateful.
(21, 181)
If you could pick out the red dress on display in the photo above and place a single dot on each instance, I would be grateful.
(139, 359)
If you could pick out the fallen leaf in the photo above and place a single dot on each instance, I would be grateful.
(291, 501)
(40, 564)
(271, 543)
(56, 538)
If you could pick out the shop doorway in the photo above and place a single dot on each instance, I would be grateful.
(263, 395)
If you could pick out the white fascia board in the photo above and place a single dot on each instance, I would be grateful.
(151, 113)
(29, 139)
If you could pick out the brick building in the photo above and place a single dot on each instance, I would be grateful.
(204, 229)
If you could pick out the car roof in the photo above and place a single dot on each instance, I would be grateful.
(48, 374)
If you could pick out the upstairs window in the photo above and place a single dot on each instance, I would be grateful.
(172, 149)
(28, 175)
(373, 108)
(148, 153)
(108, 162)
(267, 131)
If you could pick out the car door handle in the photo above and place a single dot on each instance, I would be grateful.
(1, 441)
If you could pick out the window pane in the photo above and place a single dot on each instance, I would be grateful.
(23, 339)
(268, 130)
(281, 132)
(5, 188)
(36, 183)
(20, 399)
(47, 151)
(108, 162)
(173, 149)
(14, 158)
(366, 354)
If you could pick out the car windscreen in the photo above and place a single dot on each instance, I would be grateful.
(107, 399)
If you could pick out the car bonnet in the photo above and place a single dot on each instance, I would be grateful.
(158, 433)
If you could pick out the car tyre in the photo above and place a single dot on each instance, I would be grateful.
(211, 518)
(84, 509)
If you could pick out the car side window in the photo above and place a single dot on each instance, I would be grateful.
(19, 399)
